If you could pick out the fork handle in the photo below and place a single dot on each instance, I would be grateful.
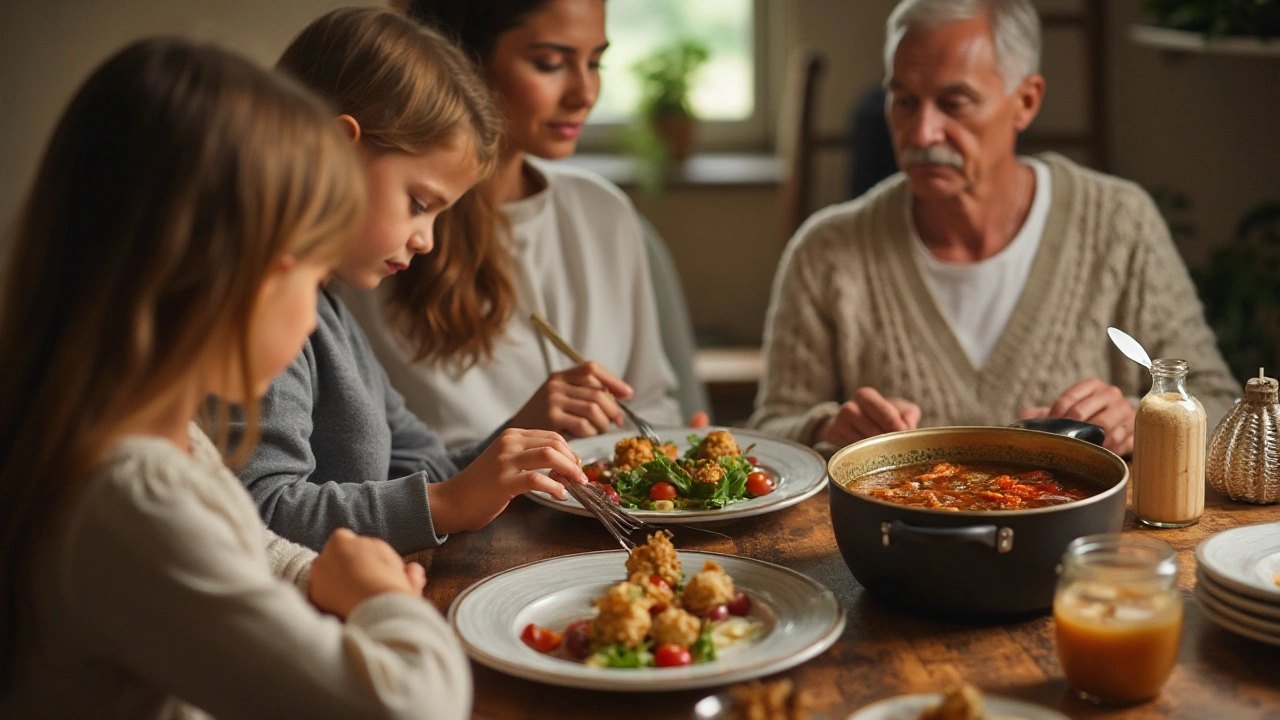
(549, 332)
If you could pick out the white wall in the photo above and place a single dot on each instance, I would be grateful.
(47, 47)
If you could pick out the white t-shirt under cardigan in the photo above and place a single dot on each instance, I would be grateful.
(977, 299)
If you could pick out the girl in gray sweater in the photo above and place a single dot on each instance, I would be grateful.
(339, 448)
(184, 215)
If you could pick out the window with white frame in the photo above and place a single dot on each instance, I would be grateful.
(727, 93)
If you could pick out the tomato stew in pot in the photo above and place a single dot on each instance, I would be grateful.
(974, 486)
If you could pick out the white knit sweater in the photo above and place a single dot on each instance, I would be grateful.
(162, 597)
(850, 309)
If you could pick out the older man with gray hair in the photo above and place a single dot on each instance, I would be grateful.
(975, 286)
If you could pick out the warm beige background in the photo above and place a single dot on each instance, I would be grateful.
(1205, 125)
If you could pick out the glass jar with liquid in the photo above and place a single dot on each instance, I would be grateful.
(1118, 617)
(1169, 438)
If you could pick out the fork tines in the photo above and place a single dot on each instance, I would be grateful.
(605, 512)
(643, 426)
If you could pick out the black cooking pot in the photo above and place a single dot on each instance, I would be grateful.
(969, 563)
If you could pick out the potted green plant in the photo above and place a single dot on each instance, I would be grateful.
(664, 128)
(1240, 287)
(665, 77)
(1218, 18)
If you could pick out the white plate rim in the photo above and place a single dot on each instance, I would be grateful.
(625, 680)
(774, 501)
(996, 704)
(1230, 625)
(1243, 603)
(1257, 624)
(1244, 583)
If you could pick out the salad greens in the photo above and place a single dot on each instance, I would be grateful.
(621, 656)
(633, 485)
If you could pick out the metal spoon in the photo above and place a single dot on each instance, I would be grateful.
(1129, 347)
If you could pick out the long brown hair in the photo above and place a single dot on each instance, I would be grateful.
(411, 91)
(177, 178)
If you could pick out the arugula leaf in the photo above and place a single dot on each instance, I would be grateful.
(704, 648)
(621, 656)
(695, 444)
(662, 469)
(633, 485)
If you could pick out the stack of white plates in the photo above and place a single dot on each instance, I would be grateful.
(1238, 581)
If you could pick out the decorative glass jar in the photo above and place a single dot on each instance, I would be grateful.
(1117, 616)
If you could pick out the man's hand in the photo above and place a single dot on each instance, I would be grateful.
(1097, 402)
(868, 414)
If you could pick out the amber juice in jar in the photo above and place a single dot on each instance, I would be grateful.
(1170, 435)
(1118, 617)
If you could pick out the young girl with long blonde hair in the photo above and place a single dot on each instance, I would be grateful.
(339, 448)
(576, 242)
(185, 211)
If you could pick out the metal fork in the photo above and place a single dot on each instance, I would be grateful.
(620, 523)
(550, 333)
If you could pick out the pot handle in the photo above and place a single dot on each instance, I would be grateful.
(1067, 427)
(999, 538)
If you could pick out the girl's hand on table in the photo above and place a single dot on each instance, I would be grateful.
(868, 413)
(576, 402)
(510, 466)
(351, 568)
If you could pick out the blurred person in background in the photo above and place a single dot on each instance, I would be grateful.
(975, 287)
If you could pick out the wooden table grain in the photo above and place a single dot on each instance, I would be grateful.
(882, 652)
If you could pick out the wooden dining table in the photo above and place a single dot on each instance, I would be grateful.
(883, 651)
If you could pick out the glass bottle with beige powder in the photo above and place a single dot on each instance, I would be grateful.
(1170, 434)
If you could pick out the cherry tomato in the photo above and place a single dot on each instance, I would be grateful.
(662, 491)
(755, 462)
(541, 639)
(718, 613)
(612, 494)
(593, 472)
(577, 639)
(740, 605)
(671, 655)
(759, 483)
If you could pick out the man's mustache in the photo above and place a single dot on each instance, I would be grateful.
(932, 155)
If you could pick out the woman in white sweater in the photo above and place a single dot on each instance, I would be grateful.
(573, 244)
(185, 213)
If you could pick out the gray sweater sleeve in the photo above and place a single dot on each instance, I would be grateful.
(279, 477)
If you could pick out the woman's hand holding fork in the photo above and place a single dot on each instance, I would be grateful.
(578, 402)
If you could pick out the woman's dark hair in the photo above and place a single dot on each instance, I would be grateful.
(473, 24)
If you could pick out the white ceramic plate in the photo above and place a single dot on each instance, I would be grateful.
(722, 706)
(1236, 600)
(1245, 560)
(909, 707)
(801, 619)
(1253, 622)
(798, 471)
(1236, 627)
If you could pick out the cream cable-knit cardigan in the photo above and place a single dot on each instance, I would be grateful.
(849, 308)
